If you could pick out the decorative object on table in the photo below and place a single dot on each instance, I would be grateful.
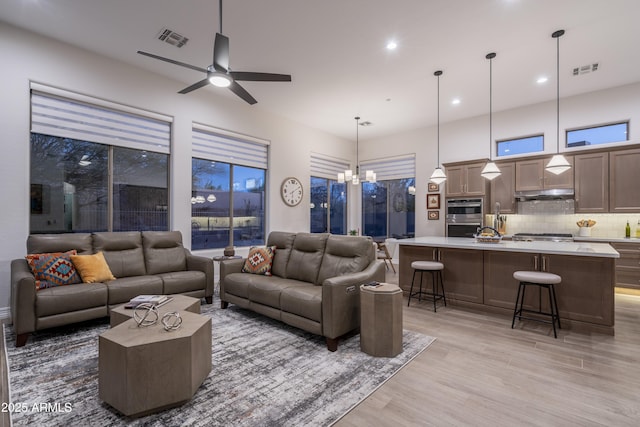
(229, 251)
(438, 176)
(433, 201)
(488, 235)
(156, 300)
(432, 187)
(431, 215)
(146, 314)
(291, 191)
(585, 227)
(171, 321)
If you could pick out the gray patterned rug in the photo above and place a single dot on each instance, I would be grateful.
(264, 374)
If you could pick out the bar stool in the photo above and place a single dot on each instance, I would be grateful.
(542, 280)
(435, 268)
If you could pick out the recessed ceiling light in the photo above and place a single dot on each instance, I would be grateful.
(541, 80)
(455, 101)
(391, 45)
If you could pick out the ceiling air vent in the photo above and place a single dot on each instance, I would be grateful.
(585, 69)
(173, 38)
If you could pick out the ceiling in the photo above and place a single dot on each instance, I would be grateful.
(335, 51)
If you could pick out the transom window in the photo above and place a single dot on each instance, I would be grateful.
(616, 132)
(525, 145)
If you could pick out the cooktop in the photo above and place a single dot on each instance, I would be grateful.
(546, 237)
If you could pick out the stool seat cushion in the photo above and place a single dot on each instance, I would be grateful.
(537, 277)
(427, 265)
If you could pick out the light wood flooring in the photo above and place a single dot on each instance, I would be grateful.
(480, 372)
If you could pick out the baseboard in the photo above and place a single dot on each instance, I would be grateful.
(5, 314)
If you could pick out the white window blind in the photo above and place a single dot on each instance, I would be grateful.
(323, 166)
(224, 146)
(76, 116)
(397, 167)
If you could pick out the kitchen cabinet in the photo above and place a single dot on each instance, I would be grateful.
(503, 189)
(464, 179)
(500, 288)
(591, 178)
(531, 175)
(624, 176)
(628, 265)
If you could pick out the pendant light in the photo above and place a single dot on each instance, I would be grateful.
(438, 176)
(490, 170)
(348, 175)
(558, 162)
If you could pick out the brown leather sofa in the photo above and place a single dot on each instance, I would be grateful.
(314, 286)
(147, 262)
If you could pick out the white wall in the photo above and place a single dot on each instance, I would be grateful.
(469, 139)
(29, 57)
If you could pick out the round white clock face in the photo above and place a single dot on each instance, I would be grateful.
(291, 191)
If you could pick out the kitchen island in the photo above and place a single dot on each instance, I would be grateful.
(480, 275)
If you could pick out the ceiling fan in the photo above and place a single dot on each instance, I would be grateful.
(219, 74)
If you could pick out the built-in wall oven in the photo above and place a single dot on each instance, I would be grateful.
(464, 217)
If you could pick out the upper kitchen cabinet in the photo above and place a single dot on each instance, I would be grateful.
(464, 179)
(531, 175)
(592, 182)
(624, 176)
(503, 188)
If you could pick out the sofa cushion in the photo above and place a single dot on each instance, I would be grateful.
(236, 284)
(306, 257)
(283, 241)
(92, 268)
(122, 290)
(266, 290)
(305, 301)
(41, 243)
(259, 260)
(163, 251)
(345, 255)
(178, 282)
(65, 299)
(123, 252)
(53, 269)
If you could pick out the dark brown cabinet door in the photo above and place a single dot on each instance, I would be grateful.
(592, 182)
(463, 270)
(503, 189)
(500, 288)
(624, 166)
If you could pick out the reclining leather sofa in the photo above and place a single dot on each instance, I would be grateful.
(314, 286)
(147, 262)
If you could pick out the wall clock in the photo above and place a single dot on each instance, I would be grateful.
(291, 191)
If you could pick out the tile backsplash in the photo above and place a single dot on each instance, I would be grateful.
(607, 225)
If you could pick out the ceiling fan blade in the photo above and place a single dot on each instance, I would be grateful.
(259, 77)
(195, 86)
(242, 93)
(171, 61)
(221, 53)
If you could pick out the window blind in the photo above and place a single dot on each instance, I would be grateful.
(224, 146)
(323, 166)
(397, 167)
(109, 123)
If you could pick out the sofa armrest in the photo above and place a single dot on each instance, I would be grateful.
(23, 297)
(341, 299)
(204, 264)
(227, 267)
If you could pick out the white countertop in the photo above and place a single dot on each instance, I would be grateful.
(577, 248)
(607, 239)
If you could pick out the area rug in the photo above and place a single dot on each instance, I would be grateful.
(264, 373)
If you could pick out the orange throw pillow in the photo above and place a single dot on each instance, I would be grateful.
(92, 268)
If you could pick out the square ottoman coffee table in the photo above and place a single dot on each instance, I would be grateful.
(120, 314)
(147, 369)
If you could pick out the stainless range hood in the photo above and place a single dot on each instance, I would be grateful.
(550, 194)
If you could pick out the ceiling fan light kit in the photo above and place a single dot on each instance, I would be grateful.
(219, 74)
(558, 163)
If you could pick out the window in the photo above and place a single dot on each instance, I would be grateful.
(95, 168)
(616, 132)
(530, 144)
(228, 190)
(388, 205)
(328, 206)
(328, 197)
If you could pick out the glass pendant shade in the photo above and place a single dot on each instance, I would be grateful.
(438, 176)
(558, 164)
(490, 171)
(348, 175)
(341, 178)
(355, 180)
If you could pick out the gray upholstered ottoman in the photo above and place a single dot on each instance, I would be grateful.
(145, 369)
(381, 320)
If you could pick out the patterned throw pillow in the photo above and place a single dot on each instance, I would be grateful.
(259, 260)
(53, 269)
